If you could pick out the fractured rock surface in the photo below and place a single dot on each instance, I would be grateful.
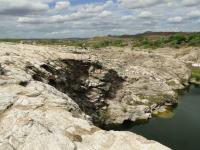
(49, 96)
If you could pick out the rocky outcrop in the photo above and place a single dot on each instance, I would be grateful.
(38, 117)
(151, 81)
(190, 56)
(51, 97)
(89, 86)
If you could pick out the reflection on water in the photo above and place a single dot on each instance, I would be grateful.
(169, 113)
(180, 129)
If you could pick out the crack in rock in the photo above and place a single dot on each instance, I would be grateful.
(88, 83)
(2, 71)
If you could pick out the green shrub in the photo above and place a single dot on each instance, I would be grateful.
(196, 74)
(107, 42)
(177, 39)
(194, 40)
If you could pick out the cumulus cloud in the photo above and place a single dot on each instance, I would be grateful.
(177, 19)
(62, 5)
(145, 15)
(94, 8)
(69, 18)
(22, 7)
(83, 12)
(105, 13)
(191, 2)
(108, 3)
(193, 14)
(127, 17)
(139, 3)
(43, 20)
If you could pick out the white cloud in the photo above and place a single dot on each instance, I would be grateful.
(193, 14)
(139, 3)
(39, 18)
(169, 4)
(62, 5)
(127, 18)
(191, 2)
(83, 12)
(105, 13)
(148, 22)
(22, 7)
(145, 14)
(109, 3)
(177, 19)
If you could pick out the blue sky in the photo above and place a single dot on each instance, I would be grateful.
(88, 18)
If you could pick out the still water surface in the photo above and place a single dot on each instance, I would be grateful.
(181, 131)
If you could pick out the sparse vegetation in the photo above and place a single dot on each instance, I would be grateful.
(107, 42)
(177, 40)
(196, 74)
(150, 40)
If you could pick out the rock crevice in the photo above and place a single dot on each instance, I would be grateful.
(88, 83)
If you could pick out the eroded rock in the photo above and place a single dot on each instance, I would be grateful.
(49, 95)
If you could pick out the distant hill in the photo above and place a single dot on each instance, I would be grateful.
(153, 35)
(143, 40)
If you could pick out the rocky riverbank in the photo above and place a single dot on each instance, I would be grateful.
(51, 97)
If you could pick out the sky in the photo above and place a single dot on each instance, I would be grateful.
(89, 18)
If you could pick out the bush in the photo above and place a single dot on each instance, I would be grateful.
(194, 40)
(177, 39)
(106, 43)
(147, 43)
(196, 74)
